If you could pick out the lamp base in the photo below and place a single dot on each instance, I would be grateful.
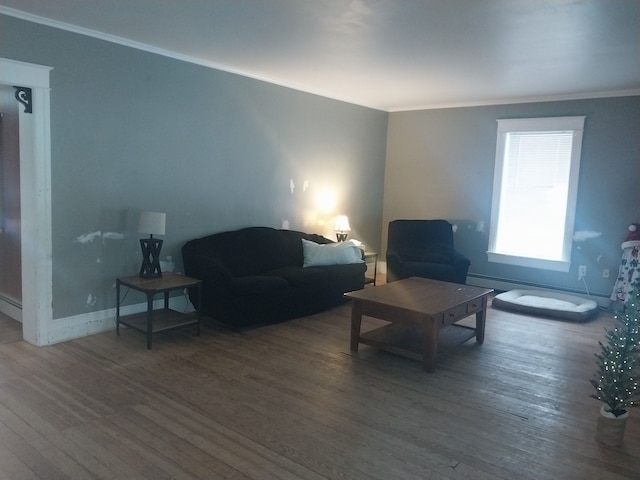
(341, 236)
(150, 267)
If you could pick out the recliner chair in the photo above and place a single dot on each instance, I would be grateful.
(424, 248)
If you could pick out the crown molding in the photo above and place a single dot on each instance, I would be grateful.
(171, 54)
(224, 68)
(517, 100)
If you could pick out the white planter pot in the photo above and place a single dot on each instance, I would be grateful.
(610, 429)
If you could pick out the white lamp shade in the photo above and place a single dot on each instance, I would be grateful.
(342, 224)
(152, 223)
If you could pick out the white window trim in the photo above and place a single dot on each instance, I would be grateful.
(575, 124)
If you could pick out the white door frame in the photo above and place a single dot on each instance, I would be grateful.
(35, 198)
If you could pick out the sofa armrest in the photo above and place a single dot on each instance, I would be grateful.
(394, 266)
(207, 269)
(394, 258)
(460, 261)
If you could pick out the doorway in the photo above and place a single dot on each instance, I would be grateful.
(34, 140)
(10, 220)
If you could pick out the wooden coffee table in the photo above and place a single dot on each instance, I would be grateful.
(418, 309)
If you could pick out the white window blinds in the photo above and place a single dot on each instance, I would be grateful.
(535, 186)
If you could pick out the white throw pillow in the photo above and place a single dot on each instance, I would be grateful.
(341, 253)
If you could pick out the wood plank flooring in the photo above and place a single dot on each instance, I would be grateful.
(290, 401)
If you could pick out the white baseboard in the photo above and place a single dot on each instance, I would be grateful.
(77, 326)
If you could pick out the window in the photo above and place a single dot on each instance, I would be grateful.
(534, 191)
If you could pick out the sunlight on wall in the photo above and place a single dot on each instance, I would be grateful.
(325, 201)
(317, 202)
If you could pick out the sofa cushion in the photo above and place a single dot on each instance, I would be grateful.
(409, 254)
(257, 284)
(298, 276)
(434, 253)
(341, 253)
(265, 248)
(438, 271)
(249, 251)
(438, 253)
(344, 278)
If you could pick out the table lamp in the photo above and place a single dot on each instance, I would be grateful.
(152, 223)
(342, 227)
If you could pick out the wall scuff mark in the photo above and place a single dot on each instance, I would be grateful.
(90, 237)
(91, 300)
(582, 235)
(113, 235)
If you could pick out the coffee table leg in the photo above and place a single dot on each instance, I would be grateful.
(356, 321)
(430, 352)
(480, 321)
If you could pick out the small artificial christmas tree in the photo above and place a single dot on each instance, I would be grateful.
(616, 381)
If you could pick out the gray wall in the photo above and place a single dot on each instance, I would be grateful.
(135, 131)
(440, 165)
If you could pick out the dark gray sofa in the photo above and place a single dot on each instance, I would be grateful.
(256, 275)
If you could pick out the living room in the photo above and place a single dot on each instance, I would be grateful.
(133, 130)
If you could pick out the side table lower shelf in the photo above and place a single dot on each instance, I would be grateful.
(156, 320)
(163, 320)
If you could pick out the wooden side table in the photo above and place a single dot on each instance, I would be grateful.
(371, 257)
(160, 320)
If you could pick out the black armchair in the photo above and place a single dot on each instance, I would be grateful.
(424, 248)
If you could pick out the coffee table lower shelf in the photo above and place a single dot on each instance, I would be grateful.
(408, 340)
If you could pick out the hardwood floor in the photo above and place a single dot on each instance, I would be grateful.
(290, 401)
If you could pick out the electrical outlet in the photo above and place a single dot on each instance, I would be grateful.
(582, 272)
(605, 273)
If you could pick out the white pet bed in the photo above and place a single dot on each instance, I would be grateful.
(552, 304)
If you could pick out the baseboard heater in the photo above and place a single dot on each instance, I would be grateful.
(11, 308)
(504, 285)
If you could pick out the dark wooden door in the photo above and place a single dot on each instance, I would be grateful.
(10, 238)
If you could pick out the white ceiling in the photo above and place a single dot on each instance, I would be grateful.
(386, 54)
